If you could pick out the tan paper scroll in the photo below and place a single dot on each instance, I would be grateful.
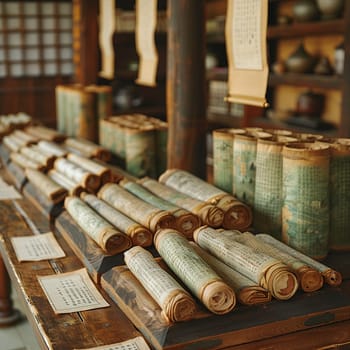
(237, 215)
(77, 174)
(103, 172)
(332, 277)
(186, 222)
(52, 148)
(309, 278)
(96, 227)
(139, 234)
(247, 291)
(27, 138)
(88, 149)
(245, 34)
(47, 186)
(11, 143)
(35, 153)
(45, 133)
(134, 207)
(25, 162)
(73, 188)
(208, 213)
(176, 303)
(146, 20)
(107, 28)
(268, 272)
(194, 272)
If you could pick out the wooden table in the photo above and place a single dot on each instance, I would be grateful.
(256, 328)
(65, 331)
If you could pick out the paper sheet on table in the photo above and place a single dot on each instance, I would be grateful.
(137, 343)
(37, 247)
(146, 20)
(107, 28)
(8, 191)
(71, 292)
(245, 33)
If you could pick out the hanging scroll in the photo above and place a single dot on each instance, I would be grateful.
(146, 20)
(245, 32)
(107, 28)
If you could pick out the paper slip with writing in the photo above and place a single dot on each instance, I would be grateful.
(37, 247)
(71, 292)
(8, 191)
(137, 343)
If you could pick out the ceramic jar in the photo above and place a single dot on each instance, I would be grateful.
(300, 61)
(305, 11)
(330, 9)
(310, 104)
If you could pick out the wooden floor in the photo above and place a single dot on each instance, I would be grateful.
(20, 336)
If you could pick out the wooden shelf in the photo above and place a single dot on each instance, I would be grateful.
(295, 30)
(307, 80)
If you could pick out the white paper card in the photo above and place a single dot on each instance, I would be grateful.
(8, 191)
(37, 247)
(71, 292)
(137, 343)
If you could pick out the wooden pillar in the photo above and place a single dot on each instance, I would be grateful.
(8, 315)
(186, 92)
(85, 41)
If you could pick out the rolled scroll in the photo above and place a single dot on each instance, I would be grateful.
(176, 303)
(237, 215)
(25, 162)
(101, 231)
(32, 152)
(186, 222)
(194, 272)
(52, 148)
(44, 133)
(137, 209)
(268, 272)
(50, 189)
(305, 212)
(208, 213)
(139, 234)
(27, 138)
(223, 157)
(88, 149)
(78, 174)
(309, 278)
(73, 188)
(332, 277)
(103, 172)
(247, 291)
(11, 143)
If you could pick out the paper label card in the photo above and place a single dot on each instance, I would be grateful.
(37, 247)
(137, 343)
(71, 292)
(8, 191)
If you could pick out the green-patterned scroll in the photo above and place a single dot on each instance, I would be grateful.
(305, 213)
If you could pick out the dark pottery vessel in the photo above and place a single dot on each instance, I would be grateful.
(330, 9)
(300, 61)
(305, 11)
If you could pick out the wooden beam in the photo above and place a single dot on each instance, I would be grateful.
(85, 41)
(186, 92)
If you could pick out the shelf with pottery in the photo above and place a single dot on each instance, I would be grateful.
(307, 55)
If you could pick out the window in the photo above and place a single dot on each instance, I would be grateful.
(35, 38)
